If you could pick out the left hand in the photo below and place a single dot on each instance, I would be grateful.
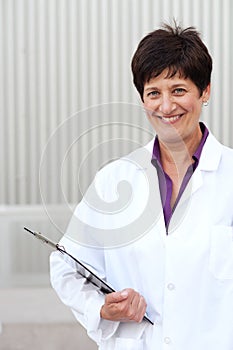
(124, 306)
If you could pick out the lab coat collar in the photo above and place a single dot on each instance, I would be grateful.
(211, 153)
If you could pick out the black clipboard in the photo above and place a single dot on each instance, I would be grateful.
(91, 277)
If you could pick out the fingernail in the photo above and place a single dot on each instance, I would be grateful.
(124, 293)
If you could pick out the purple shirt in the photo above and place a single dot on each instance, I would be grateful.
(165, 182)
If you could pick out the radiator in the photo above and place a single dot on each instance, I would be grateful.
(24, 260)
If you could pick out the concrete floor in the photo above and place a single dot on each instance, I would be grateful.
(36, 319)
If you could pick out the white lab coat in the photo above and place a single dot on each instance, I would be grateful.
(186, 276)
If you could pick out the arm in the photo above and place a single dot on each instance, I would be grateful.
(99, 314)
(84, 300)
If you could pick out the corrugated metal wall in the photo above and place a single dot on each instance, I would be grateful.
(60, 57)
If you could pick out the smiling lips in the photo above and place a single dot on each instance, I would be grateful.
(169, 120)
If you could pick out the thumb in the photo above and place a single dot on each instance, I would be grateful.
(116, 297)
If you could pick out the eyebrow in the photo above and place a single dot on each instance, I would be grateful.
(172, 87)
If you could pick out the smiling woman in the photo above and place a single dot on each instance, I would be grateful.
(174, 271)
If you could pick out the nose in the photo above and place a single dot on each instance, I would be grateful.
(167, 105)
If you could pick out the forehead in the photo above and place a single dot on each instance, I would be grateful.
(166, 79)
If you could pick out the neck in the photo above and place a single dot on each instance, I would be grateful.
(180, 153)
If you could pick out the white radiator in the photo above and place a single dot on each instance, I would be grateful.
(23, 258)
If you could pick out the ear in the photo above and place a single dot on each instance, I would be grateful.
(206, 93)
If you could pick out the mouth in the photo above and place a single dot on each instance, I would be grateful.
(170, 119)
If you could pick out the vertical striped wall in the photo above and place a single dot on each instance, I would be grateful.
(64, 58)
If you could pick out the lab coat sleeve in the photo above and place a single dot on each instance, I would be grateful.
(83, 298)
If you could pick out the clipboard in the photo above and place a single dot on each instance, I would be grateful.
(91, 277)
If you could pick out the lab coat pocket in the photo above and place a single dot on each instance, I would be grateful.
(128, 344)
(221, 252)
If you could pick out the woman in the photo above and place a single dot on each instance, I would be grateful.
(179, 266)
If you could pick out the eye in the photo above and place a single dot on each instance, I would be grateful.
(153, 93)
(179, 91)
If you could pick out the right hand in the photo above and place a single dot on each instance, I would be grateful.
(124, 306)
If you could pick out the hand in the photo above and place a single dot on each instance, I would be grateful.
(124, 306)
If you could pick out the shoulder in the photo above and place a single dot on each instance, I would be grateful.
(226, 162)
(126, 169)
(216, 156)
(226, 152)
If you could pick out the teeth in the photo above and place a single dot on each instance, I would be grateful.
(171, 119)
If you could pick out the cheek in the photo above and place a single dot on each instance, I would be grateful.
(149, 116)
(196, 109)
(192, 106)
(150, 107)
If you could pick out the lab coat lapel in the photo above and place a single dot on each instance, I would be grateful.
(209, 161)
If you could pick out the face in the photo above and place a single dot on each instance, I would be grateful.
(173, 107)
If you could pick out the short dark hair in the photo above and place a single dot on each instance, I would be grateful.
(178, 50)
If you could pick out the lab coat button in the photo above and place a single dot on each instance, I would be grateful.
(171, 286)
(167, 340)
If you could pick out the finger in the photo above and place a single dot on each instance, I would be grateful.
(134, 297)
(137, 308)
(142, 309)
(138, 301)
(117, 297)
